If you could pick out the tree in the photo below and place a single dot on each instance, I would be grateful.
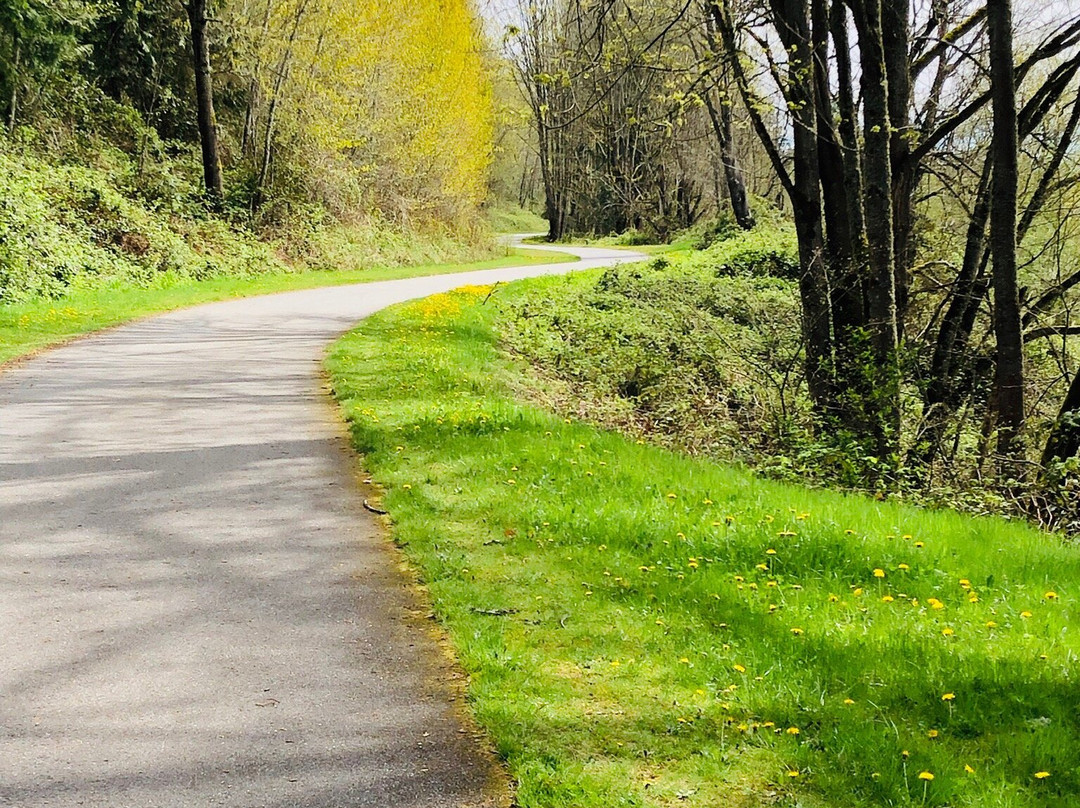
(1009, 362)
(204, 100)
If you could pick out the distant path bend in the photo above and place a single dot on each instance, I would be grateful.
(194, 608)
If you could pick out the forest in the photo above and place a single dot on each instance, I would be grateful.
(916, 166)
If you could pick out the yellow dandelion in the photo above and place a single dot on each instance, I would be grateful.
(887, 599)
(926, 776)
(906, 537)
(948, 697)
(903, 567)
(905, 754)
(762, 567)
(1025, 614)
(857, 591)
(792, 773)
(1051, 595)
(407, 487)
(792, 730)
(947, 632)
(935, 604)
(706, 502)
(786, 533)
(1041, 775)
(672, 496)
(770, 551)
(965, 583)
(768, 724)
(796, 631)
(770, 583)
(511, 482)
(973, 598)
(849, 701)
(991, 624)
(833, 598)
(968, 769)
(684, 661)
(932, 734)
(849, 532)
(739, 668)
(879, 573)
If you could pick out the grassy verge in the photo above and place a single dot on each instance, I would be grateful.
(27, 327)
(645, 629)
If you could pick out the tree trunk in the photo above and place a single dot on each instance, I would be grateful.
(204, 98)
(733, 175)
(883, 406)
(1064, 439)
(1009, 365)
(14, 100)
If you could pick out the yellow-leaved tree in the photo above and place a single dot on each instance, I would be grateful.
(378, 104)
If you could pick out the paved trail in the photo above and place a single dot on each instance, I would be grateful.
(194, 608)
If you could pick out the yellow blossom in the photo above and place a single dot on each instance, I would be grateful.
(965, 583)
(887, 599)
(770, 551)
(1051, 595)
(739, 668)
(926, 776)
(879, 573)
(904, 567)
(935, 604)
(1041, 775)
(849, 701)
(948, 697)
(792, 730)
(968, 769)
(796, 631)
(792, 773)
(947, 632)
(932, 734)
(991, 624)
(1025, 614)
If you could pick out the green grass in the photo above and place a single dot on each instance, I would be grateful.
(31, 326)
(646, 629)
(516, 220)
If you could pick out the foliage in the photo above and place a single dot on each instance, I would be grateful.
(644, 629)
(701, 352)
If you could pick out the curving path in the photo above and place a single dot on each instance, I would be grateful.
(194, 608)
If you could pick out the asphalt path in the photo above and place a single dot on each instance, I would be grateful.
(195, 609)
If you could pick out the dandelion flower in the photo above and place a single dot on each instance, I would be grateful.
(849, 701)
(1051, 595)
(833, 598)
(879, 573)
(672, 496)
(792, 773)
(968, 769)
(1041, 775)
(770, 551)
(903, 567)
(926, 776)
(935, 604)
(739, 668)
(906, 537)
(849, 532)
(796, 631)
(920, 544)
(857, 592)
(948, 697)
(795, 731)
(947, 632)
(762, 567)
(707, 502)
(1025, 614)
(965, 583)
(932, 734)
(973, 598)
(991, 624)
(887, 599)
(684, 661)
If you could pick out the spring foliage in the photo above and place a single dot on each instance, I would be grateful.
(395, 95)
